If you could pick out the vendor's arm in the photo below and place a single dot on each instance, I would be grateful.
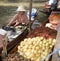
(12, 20)
(25, 20)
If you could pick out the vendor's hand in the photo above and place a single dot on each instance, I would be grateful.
(23, 23)
(7, 25)
(17, 23)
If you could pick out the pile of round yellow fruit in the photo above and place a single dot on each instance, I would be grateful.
(36, 48)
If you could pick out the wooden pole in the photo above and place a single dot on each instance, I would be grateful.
(30, 15)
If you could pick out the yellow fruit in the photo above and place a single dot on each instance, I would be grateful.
(44, 41)
(50, 39)
(36, 48)
(46, 44)
(38, 59)
(41, 38)
(54, 40)
(50, 46)
(41, 43)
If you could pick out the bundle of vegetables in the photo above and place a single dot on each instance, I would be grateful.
(38, 44)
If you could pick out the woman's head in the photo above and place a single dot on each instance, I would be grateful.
(21, 12)
(21, 9)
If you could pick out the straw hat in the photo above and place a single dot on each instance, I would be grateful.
(21, 8)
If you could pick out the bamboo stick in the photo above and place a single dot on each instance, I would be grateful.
(30, 15)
